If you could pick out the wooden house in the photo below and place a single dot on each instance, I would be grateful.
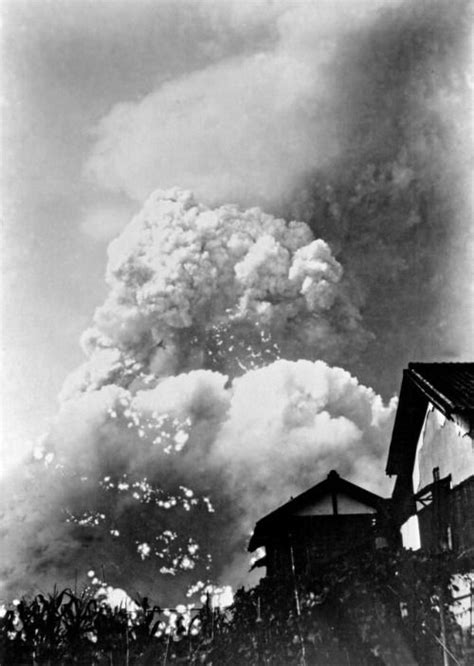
(431, 455)
(333, 518)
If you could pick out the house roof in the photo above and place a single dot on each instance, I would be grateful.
(448, 386)
(332, 484)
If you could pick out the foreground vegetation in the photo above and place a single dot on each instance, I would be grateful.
(387, 609)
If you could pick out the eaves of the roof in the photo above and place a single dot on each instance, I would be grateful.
(332, 484)
(448, 386)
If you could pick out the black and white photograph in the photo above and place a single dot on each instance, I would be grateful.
(237, 333)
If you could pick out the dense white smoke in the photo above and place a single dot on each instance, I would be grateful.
(184, 427)
(194, 287)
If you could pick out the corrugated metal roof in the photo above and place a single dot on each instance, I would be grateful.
(450, 384)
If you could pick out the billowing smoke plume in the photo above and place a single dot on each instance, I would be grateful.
(351, 115)
(207, 397)
(158, 463)
(225, 289)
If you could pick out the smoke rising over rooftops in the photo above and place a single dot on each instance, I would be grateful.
(159, 489)
(184, 424)
(207, 396)
(170, 438)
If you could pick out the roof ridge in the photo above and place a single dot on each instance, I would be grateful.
(426, 363)
(332, 480)
(333, 483)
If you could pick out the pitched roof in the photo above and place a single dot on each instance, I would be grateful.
(332, 484)
(448, 386)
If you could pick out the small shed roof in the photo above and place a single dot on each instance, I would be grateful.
(448, 386)
(333, 484)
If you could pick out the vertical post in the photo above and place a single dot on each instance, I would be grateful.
(297, 602)
(258, 633)
(444, 641)
(440, 537)
(212, 615)
(437, 526)
(295, 586)
(259, 616)
(165, 660)
(471, 602)
(127, 643)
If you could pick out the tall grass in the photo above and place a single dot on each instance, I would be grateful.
(69, 628)
(387, 608)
